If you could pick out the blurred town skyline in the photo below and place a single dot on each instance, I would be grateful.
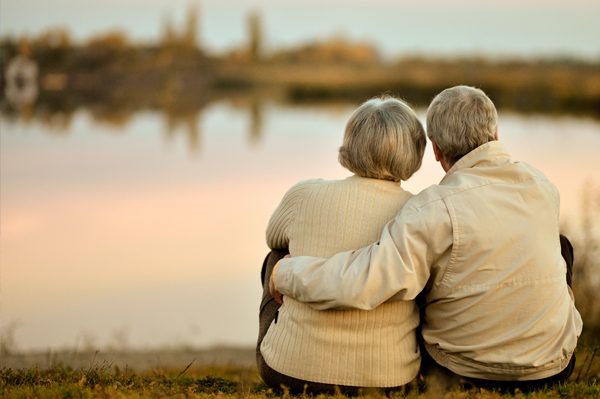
(115, 76)
(497, 28)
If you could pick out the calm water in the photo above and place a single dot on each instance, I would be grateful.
(151, 233)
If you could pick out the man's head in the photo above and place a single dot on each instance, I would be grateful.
(459, 120)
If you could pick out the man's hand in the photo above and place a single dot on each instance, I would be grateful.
(276, 294)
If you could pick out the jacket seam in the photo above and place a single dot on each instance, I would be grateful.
(429, 249)
(508, 283)
(449, 269)
(476, 187)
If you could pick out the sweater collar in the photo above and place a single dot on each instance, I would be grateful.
(388, 183)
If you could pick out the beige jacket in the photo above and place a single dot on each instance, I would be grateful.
(485, 244)
(374, 348)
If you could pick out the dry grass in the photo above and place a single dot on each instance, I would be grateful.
(101, 379)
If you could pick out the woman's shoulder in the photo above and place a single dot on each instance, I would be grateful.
(298, 189)
(308, 183)
(304, 185)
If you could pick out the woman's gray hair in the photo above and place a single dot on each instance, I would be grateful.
(459, 120)
(384, 139)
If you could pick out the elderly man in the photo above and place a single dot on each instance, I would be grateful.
(484, 247)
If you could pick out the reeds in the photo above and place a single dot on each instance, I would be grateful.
(586, 268)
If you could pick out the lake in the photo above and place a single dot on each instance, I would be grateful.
(149, 232)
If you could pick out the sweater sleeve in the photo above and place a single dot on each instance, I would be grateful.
(280, 223)
(395, 267)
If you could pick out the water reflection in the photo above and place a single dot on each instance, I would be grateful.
(119, 235)
(188, 124)
(256, 122)
(56, 117)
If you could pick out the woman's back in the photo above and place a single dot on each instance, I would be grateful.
(375, 348)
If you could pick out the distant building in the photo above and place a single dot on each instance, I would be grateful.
(21, 81)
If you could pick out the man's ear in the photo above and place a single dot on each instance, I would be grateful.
(437, 152)
(496, 135)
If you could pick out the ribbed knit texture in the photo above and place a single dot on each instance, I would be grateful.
(374, 348)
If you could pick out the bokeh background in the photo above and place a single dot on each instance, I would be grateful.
(145, 144)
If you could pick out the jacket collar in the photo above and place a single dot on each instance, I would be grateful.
(485, 153)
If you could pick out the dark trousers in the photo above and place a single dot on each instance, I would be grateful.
(448, 379)
(275, 380)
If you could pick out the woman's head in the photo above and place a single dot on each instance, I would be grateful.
(383, 140)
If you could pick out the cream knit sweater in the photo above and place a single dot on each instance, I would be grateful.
(374, 348)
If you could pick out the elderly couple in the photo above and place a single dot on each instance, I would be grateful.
(480, 253)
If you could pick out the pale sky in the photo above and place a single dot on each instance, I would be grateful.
(431, 27)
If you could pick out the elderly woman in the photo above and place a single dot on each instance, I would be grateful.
(303, 348)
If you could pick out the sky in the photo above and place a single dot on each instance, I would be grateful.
(493, 28)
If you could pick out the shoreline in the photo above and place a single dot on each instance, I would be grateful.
(138, 361)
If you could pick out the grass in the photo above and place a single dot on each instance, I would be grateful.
(105, 381)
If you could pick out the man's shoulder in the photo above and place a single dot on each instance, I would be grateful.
(472, 181)
(430, 197)
(535, 172)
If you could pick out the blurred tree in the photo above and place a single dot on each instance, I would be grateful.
(112, 42)
(24, 47)
(168, 36)
(335, 50)
(52, 49)
(8, 49)
(189, 37)
(255, 47)
(105, 49)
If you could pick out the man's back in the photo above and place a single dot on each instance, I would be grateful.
(500, 285)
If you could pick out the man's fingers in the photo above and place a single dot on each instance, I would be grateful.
(278, 297)
(276, 294)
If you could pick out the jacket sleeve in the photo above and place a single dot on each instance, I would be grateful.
(280, 223)
(394, 268)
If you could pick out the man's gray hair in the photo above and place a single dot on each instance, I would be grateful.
(459, 120)
(384, 139)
